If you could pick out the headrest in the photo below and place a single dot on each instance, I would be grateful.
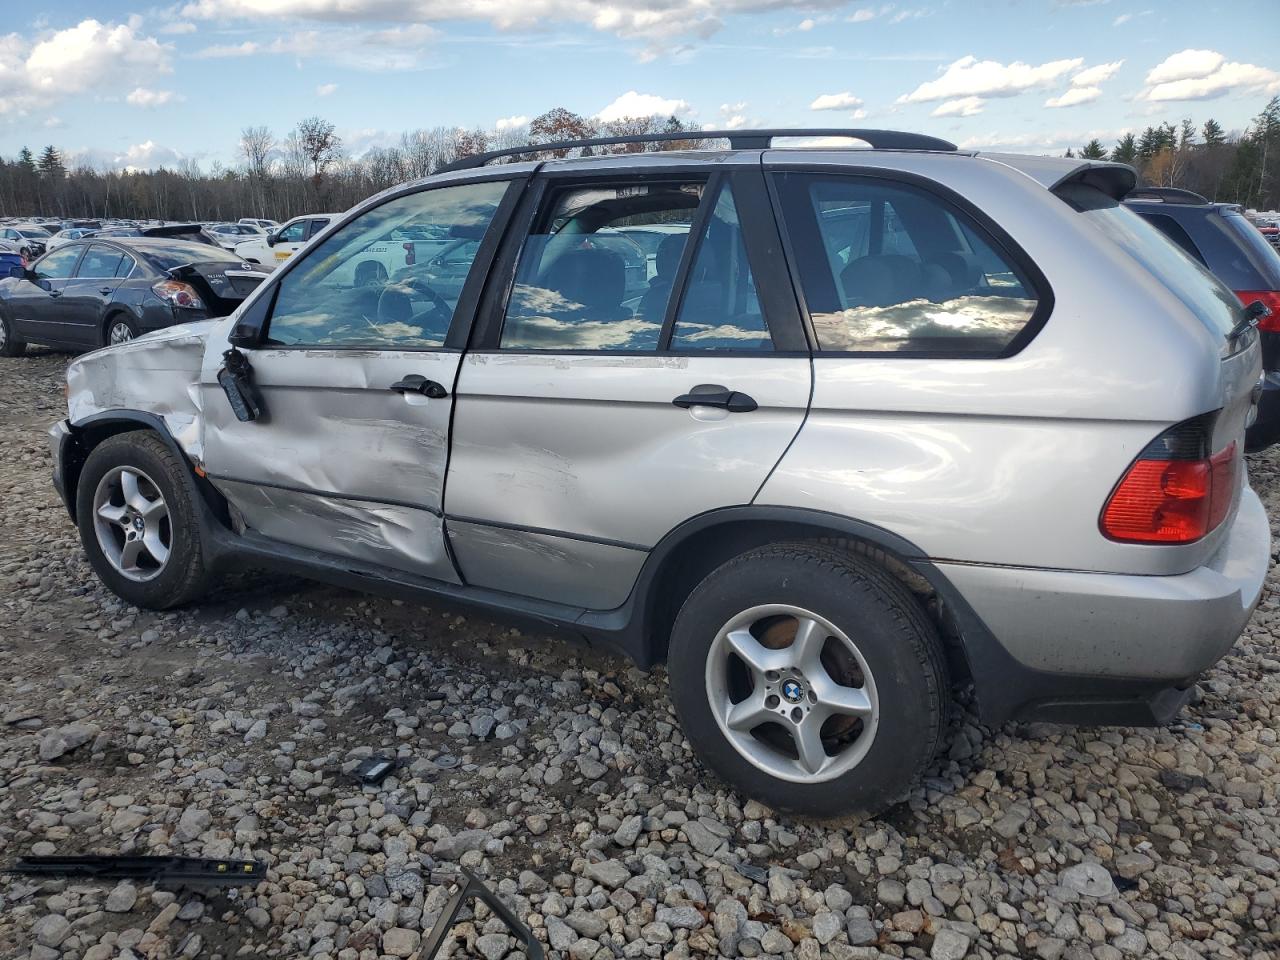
(593, 278)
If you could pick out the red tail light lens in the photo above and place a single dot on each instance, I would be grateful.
(1271, 300)
(179, 294)
(410, 254)
(1174, 492)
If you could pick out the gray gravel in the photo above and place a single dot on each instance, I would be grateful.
(559, 774)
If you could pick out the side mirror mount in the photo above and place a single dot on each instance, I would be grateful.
(244, 336)
(271, 239)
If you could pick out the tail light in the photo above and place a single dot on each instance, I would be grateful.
(1271, 300)
(1176, 491)
(178, 294)
(410, 254)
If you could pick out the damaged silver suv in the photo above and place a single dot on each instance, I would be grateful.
(849, 429)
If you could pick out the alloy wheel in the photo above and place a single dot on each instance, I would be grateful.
(131, 520)
(792, 693)
(120, 332)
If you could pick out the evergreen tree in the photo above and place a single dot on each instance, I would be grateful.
(50, 164)
(26, 160)
(1069, 154)
(1126, 150)
(1187, 135)
(1213, 133)
(1094, 150)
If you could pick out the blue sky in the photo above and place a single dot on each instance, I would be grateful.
(130, 84)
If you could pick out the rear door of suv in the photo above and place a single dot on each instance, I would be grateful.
(594, 415)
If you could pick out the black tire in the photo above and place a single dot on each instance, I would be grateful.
(897, 640)
(183, 577)
(114, 320)
(10, 345)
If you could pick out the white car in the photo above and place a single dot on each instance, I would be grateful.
(273, 248)
(268, 226)
(230, 234)
(66, 236)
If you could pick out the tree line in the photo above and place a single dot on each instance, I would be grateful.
(309, 170)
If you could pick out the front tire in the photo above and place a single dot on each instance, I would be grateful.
(10, 345)
(809, 679)
(138, 523)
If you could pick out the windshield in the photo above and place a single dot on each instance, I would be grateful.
(1215, 305)
(34, 234)
(169, 256)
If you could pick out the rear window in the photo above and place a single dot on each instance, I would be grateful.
(169, 256)
(1185, 277)
(1253, 247)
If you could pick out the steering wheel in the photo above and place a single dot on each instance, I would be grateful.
(395, 293)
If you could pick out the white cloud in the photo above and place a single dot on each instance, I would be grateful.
(1044, 142)
(1122, 19)
(178, 27)
(634, 104)
(663, 25)
(1074, 97)
(862, 16)
(961, 107)
(1187, 65)
(510, 123)
(971, 77)
(91, 56)
(144, 97)
(326, 89)
(406, 47)
(733, 116)
(147, 156)
(217, 51)
(1205, 74)
(836, 101)
(1092, 76)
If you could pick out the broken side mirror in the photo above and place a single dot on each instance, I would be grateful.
(244, 336)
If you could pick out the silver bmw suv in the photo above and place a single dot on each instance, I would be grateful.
(830, 432)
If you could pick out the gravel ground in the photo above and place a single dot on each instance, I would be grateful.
(559, 774)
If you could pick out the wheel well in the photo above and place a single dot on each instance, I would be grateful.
(111, 315)
(702, 552)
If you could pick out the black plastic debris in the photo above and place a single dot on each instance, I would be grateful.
(185, 870)
(474, 889)
(373, 770)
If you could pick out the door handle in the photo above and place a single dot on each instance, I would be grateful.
(714, 395)
(104, 290)
(416, 383)
(55, 294)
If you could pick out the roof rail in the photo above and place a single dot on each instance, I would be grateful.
(1166, 195)
(738, 140)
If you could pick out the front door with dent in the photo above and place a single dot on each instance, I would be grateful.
(357, 384)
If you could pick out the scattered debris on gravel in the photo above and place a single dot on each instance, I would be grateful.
(234, 729)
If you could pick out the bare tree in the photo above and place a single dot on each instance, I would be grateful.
(320, 145)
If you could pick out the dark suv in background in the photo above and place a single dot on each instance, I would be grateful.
(1221, 238)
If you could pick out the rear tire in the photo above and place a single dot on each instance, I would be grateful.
(810, 679)
(118, 329)
(10, 345)
(138, 522)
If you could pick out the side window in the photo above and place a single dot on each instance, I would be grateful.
(317, 226)
(720, 309)
(293, 233)
(126, 266)
(1172, 229)
(926, 281)
(350, 292)
(100, 263)
(582, 284)
(59, 264)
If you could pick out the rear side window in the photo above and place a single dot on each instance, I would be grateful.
(100, 263)
(1172, 229)
(1251, 247)
(887, 268)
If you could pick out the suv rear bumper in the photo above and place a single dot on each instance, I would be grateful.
(1099, 648)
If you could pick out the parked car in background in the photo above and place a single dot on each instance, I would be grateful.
(91, 293)
(227, 235)
(67, 235)
(277, 247)
(821, 481)
(267, 226)
(1271, 230)
(12, 264)
(28, 238)
(1220, 238)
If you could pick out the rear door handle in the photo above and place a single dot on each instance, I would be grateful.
(55, 294)
(714, 395)
(104, 290)
(416, 383)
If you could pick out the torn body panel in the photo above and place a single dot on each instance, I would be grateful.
(158, 374)
(390, 535)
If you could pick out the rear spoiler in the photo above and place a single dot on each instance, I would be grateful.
(1114, 179)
